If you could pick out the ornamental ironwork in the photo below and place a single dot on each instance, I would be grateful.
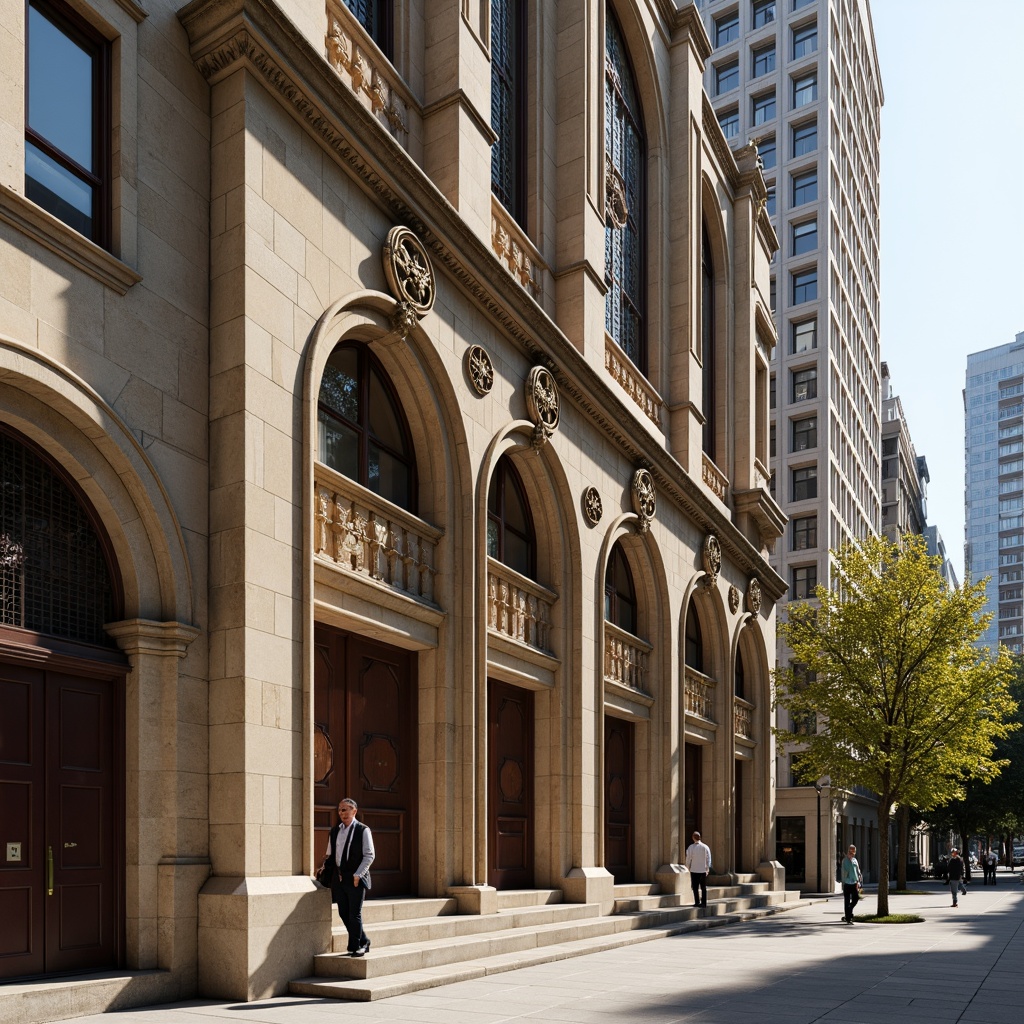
(408, 270)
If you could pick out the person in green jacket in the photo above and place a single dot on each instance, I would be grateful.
(851, 877)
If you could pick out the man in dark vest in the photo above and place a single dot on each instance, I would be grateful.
(349, 856)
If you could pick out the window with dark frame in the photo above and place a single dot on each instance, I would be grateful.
(693, 646)
(376, 17)
(805, 483)
(766, 152)
(803, 582)
(707, 344)
(729, 121)
(362, 431)
(805, 138)
(727, 77)
(770, 206)
(67, 127)
(805, 384)
(625, 242)
(805, 89)
(727, 28)
(763, 107)
(508, 105)
(805, 285)
(805, 187)
(510, 534)
(805, 237)
(763, 12)
(805, 335)
(620, 605)
(763, 59)
(805, 434)
(805, 533)
(805, 40)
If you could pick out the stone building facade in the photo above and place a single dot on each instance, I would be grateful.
(407, 381)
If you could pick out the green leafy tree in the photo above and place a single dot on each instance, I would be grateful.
(887, 657)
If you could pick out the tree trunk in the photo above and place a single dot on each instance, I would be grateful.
(883, 856)
(903, 845)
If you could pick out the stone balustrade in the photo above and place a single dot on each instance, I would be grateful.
(700, 695)
(363, 533)
(515, 250)
(742, 718)
(715, 478)
(625, 658)
(631, 380)
(518, 608)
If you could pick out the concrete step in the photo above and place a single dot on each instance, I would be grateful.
(630, 905)
(380, 911)
(510, 898)
(635, 890)
(427, 929)
(550, 943)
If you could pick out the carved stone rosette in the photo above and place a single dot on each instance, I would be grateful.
(592, 506)
(754, 595)
(615, 206)
(734, 599)
(408, 270)
(645, 498)
(542, 404)
(712, 559)
(479, 369)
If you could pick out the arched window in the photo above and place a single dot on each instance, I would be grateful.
(363, 433)
(508, 105)
(693, 653)
(740, 688)
(55, 575)
(625, 155)
(375, 17)
(707, 342)
(619, 592)
(510, 536)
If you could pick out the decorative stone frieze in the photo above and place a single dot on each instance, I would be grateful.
(712, 559)
(645, 499)
(631, 381)
(592, 506)
(479, 369)
(542, 404)
(408, 270)
(511, 246)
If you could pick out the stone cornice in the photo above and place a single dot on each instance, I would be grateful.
(146, 636)
(227, 34)
(687, 19)
(716, 140)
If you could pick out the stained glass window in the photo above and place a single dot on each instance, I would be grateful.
(508, 116)
(625, 154)
(375, 17)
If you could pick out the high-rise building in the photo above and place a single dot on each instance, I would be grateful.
(994, 486)
(905, 474)
(800, 78)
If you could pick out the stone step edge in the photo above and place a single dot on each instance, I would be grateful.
(386, 986)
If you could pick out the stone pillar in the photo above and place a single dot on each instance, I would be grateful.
(166, 784)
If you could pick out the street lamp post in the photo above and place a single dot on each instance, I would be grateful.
(825, 780)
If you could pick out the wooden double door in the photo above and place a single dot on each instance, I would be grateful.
(61, 812)
(619, 824)
(364, 747)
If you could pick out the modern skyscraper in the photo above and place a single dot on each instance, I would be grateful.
(800, 78)
(994, 486)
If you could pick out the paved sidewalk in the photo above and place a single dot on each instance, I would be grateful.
(962, 964)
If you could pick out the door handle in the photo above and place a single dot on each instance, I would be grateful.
(70, 846)
(49, 871)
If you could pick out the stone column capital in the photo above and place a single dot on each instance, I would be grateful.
(146, 636)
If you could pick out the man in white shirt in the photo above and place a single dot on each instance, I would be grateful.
(349, 856)
(698, 863)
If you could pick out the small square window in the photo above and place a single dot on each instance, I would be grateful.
(769, 205)
(766, 152)
(805, 483)
(729, 120)
(805, 285)
(805, 40)
(805, 138)
(805, 384)
(727, 28)
(805, 434)
(805, 89)
(805, 187)
(764, 12)
(763, 107)
(805, 237)
(727, 76)
(805, 336)
(798, 4)
(764, 60)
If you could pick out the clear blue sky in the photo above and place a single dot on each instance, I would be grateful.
(952, 213)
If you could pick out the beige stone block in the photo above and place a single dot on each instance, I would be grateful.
(140, 405)
(184, 237)
(184, 427)
(268, 264)
(270, 564)
(290, 244)
(287, 616)
(227, 749)
(294, 192)
(235, 206)
(281, 452)
(267, 306)
(276, 847)
(234, 648)
(226, 441)
(259, 215)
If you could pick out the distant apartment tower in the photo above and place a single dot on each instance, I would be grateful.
(994, 486)
(905, 476)
(800, 79)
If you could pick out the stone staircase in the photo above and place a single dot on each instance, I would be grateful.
(423, 943)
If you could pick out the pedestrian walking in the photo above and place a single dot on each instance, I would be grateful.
(852, 878)
(346, 871)
(956, 876)
(698, 863)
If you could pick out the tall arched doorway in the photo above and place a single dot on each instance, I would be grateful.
(61, 725)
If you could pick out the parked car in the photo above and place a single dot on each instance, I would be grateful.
(1018, 854)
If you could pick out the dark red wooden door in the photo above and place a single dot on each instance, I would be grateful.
(618, 798)
(60, 906)
(692, 757)
(364, 747)
(510, 786)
